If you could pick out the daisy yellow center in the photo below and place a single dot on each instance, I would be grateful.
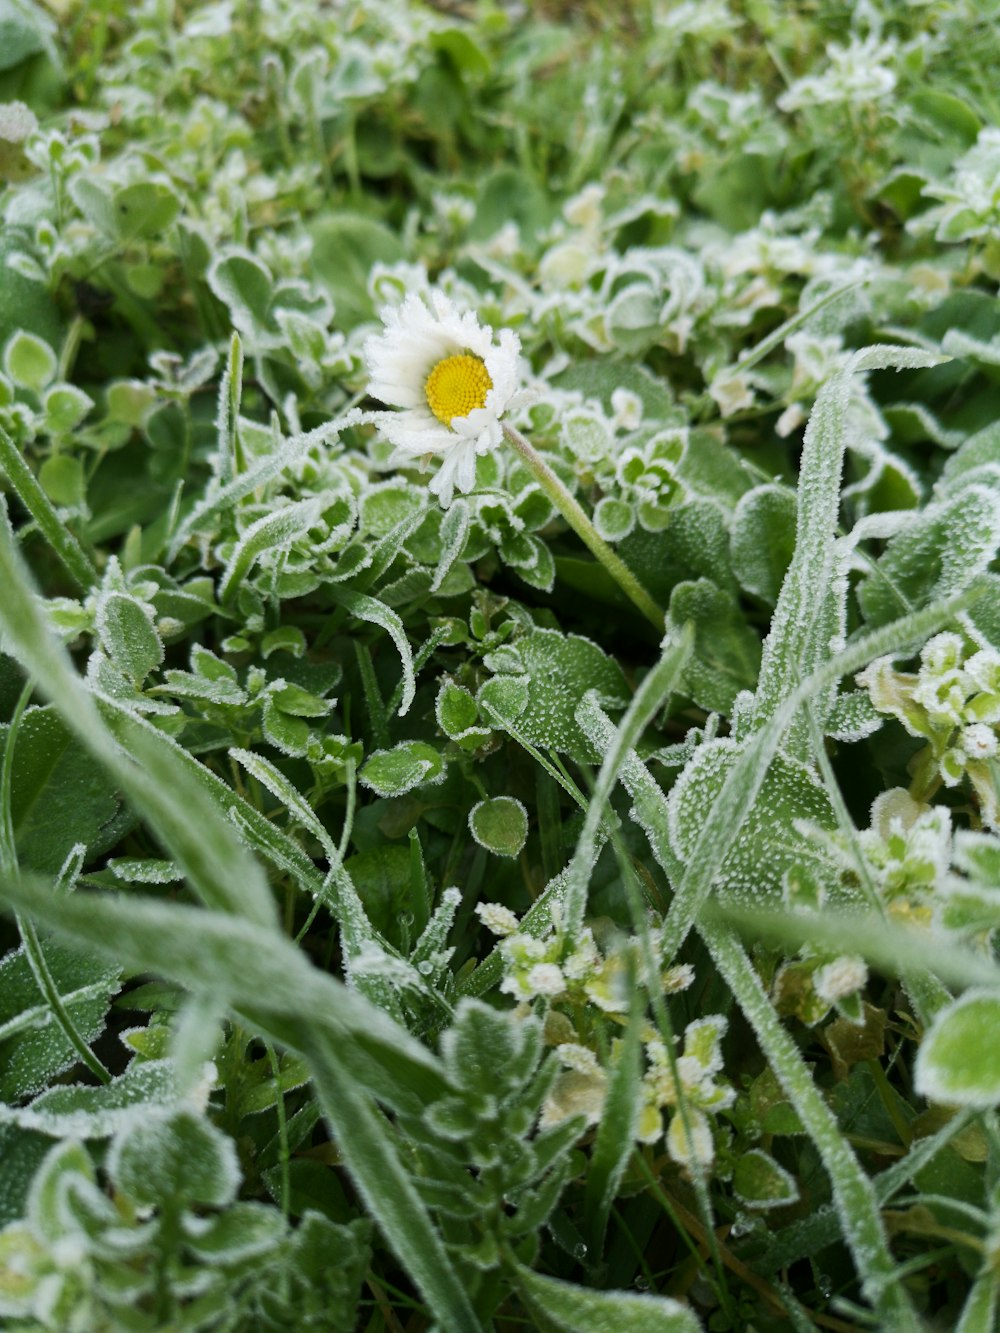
(457, 386)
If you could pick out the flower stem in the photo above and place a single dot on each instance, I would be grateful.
(575, 515)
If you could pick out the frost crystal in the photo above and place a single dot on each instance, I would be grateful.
(497, 918)
(842, 977)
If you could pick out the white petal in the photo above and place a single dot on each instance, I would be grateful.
(416, 335)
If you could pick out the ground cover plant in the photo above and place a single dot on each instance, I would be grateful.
(499, 665)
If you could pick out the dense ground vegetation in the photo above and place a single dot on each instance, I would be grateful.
(405, 931)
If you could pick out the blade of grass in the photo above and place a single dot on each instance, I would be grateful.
(67, 548)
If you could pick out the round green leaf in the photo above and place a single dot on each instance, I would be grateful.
(614, 519)
(959, 1062)
(160, 1158)
(500, 825)
(29, 361)
(62, 479)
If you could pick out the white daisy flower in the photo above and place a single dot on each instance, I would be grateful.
(452, 380)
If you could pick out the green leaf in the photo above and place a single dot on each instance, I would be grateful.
(763, 539)
(172, 1158)
(585, 1310)
(29, 361)
(614, 519)
(769, 842)
(956, 1064)
(144, 209)
(345, 248)
(83, 1111)
(33, 1046)
(560, 669)
(245, 287)
(59, 798)
(500, 825)
(455, 709)
(760, 1182)
(383, 507)
(273, 531)
(726, 650)
(63, 479)
(808, 612)
(243, 1231)
(128, 636)
(24, 31)
(407, 765)
(363, 607)
(938, 553)
(25, 303)
(509, 195)
(488, 1051)
(22, 1153)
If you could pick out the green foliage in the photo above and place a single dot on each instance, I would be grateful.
(391, 858)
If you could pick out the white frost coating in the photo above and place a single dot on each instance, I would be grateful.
(135, 870)
(577, 1057)
(377, 613)
(454, 532)
(546, 979)
(278, 785)
(85, 1112)
(498, 919)
(842, 977)
(259, 473)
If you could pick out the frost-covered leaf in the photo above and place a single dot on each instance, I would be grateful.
(957, 1064)
(129, 635)
(852, 717)
(377, 613)
(500, 824)
(726, 650)
(87, 1112)
(486, 1050)
(174, 1157)
(768, 843)
(268, 533)
(574, 1309)
(243, 1231)
(244, 284)
(29, 361)
(939, 553)
(33, 1045)
(760, 1182)
(129, 213)
(614, 519)
(456, 710)
(560, 669)
(763, 539)
(397, 771)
